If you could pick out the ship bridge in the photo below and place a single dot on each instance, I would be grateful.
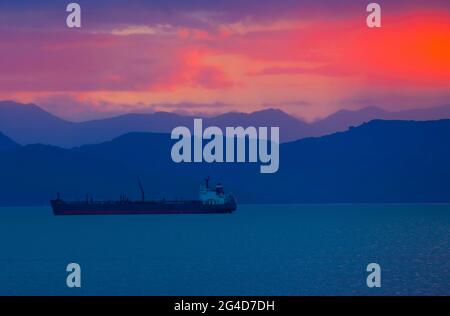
(211, 195)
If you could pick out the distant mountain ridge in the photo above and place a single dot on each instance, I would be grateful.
(377, 162)
(29, 124)
(343, 119)
(7, 143)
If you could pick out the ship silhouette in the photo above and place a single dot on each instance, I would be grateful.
(211, 200)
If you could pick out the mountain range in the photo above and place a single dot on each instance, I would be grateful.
(30, 124)
(377, 162)
(7, 143)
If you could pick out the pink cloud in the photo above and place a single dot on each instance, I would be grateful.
(59, 61)
(264, 60)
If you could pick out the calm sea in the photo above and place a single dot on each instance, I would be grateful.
(259, 250)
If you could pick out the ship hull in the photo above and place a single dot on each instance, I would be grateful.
(136, 208)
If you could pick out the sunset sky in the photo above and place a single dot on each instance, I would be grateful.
(307, 58)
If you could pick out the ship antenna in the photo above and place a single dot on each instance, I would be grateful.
(142, 189)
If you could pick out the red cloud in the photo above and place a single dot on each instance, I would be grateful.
(269, 59)
(408, 49)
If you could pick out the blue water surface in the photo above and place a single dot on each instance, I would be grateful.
(259, 250)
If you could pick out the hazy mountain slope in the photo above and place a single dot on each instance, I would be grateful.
(381, 161)
(6, 142)
(29, 124)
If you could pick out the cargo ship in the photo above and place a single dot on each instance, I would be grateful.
(211, 200)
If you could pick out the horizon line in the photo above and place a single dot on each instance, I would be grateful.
(218, 114)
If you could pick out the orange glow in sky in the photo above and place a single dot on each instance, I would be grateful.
(307, 67)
